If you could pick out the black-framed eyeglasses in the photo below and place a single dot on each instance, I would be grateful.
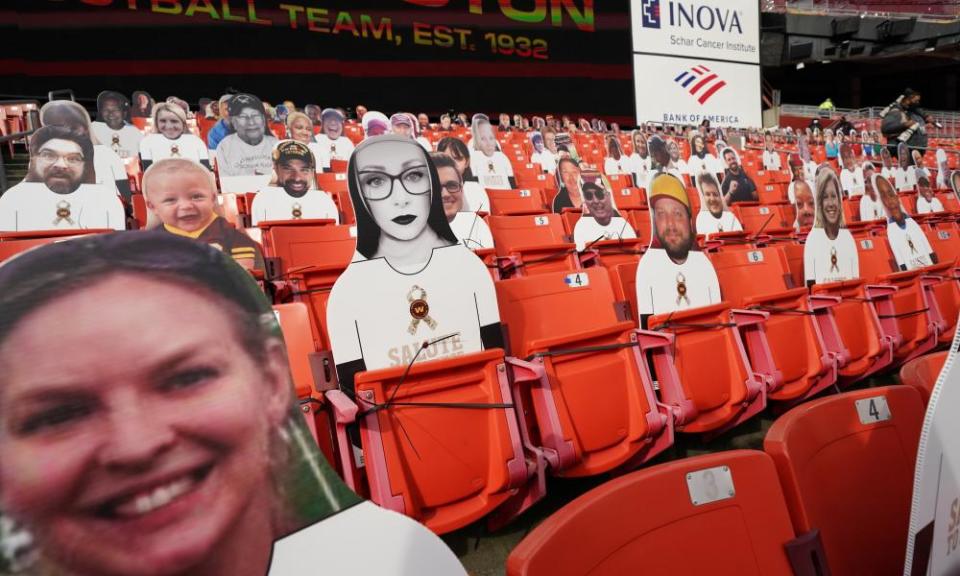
(452, 186)
(377, 185)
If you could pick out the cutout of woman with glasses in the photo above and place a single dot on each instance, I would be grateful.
(410, 282)
(467, 225)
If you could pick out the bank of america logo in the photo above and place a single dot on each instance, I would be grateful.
(650, 13)
(700, 83)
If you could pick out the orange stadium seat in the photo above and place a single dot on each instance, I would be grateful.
(653, 522)
(445, 447)
(13, 243)
(516, 202)
(592, 399)
(922, 373)
(532, 244)
(756, 217)
(794, 352)
(846, 464)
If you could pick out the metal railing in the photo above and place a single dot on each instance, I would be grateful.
(949, 119)
(932, 10)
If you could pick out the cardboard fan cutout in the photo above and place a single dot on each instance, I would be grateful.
(934, 535)
(616, 161)
(871, 207)
(179, 448)
(331, 142)
(244, 158)
(904, 175)
(600, 219)
(736, 185)
(487, 163)
(943, 170)
(142, 105)
(909, 244)
(829, 253)
(541, 154)
(851, 176)
(673, 274)
(640, 160)
(955, 183)
(60, 190)
(295, 196)
(568, 185)
(927, 203)
(466, 224)
(411, 281)
(113, 127)
(108, 168)
(714, 215)
(172, 138)
(182, 199)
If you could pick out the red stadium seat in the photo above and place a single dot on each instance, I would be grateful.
(336, 185)
(846, 464)
(756, 217)
(301, 344)
(797, 331)
(532, 244)
(445, 447)
(904, 312)
(630, 199)
(593, 402)
(13, 243)
(516, 202)
(922, 373)
(652, 522)
(311, 255)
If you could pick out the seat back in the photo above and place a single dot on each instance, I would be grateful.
(944, 238)
(301, 245)
(746, 274)
(444, 466)
(756, 217)
(556, 304)
(727, 505)
(794, 256)
(875, 256)
(515, 233)
(630, 199)
(846, 464)
(922, 373)
(597, 409)
(13, 243)
(516, 202)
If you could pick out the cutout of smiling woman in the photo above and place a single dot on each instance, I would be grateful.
(160, 447)
(830, 252)
(600, 219)
(714, 214)
(172, 139)
(673, 274)
(113, 127)
(410, 280)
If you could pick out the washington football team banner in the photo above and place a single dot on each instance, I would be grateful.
(538, 55)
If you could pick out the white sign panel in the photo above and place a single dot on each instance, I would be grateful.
(687, 91)
(933, 543)
(726, 30)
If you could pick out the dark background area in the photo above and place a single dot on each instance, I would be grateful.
(57, 44)
(65, 44)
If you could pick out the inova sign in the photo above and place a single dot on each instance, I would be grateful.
(726, 30)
